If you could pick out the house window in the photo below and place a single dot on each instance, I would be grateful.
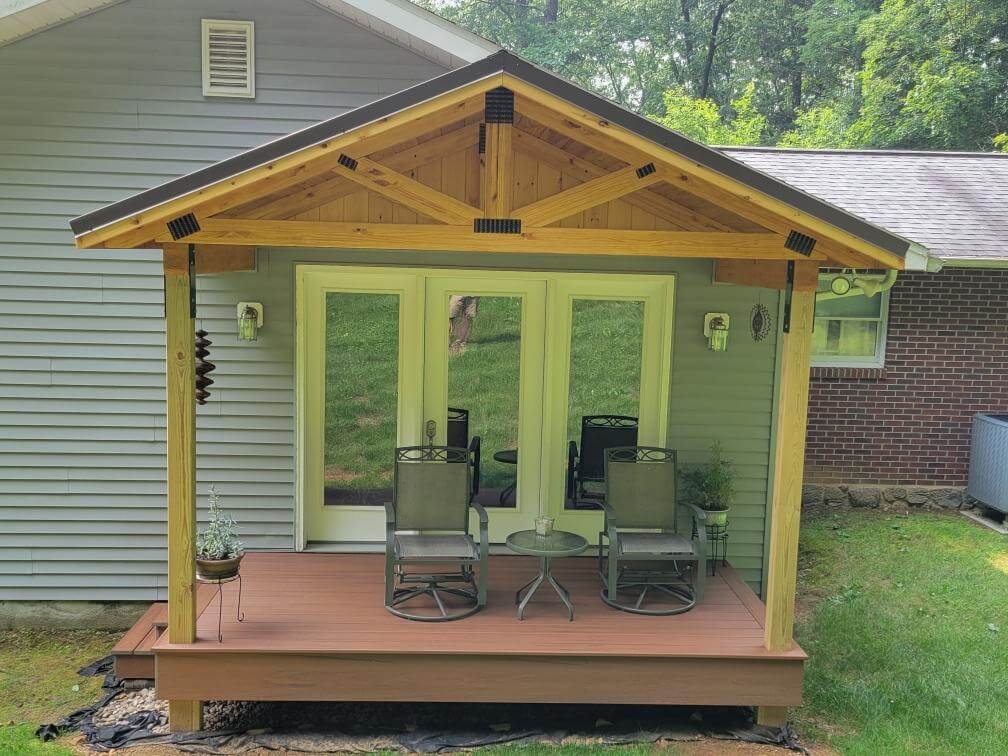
(850, 330)
(228, 58)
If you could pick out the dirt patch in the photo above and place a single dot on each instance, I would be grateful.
(336, 474)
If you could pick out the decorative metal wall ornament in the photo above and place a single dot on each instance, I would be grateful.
(203, 381)
(760, 322)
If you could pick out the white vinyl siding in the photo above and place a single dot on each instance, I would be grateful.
(90, 112)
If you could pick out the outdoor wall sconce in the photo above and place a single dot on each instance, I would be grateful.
(250, 320)
(715, 330)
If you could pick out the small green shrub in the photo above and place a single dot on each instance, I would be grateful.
(711, 485)
(217, 540)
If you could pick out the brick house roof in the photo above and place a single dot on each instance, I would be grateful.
(954, 203)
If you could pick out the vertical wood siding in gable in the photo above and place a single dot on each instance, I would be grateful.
(90, 112)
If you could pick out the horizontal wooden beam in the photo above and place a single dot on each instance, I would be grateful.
(459, 238)
(289, 170)
(578, 168)
(407, 191)
(587, 195)
(768, 274)
(223, 258)
(588, 129)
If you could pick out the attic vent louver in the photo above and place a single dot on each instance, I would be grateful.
(800, 243)
(182, 226)
(497, 226)
(228, 58)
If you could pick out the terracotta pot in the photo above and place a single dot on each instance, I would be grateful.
(218, 569)
(716, 517)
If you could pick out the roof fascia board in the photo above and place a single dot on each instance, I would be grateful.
(24, 18)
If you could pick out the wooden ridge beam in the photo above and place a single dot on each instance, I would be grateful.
(587, 195)
(585, 170)
(337, 186)
(588, 129)
(462, 238)
(289, 170)
(407, 191)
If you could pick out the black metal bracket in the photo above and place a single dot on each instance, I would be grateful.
(645, 170)
(347, 162)
(499, 106)
(497, 226)
(183, 226)
(788, 292)
(192, 281)
(482, 139)
(801, 243)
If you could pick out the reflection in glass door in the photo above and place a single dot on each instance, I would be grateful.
(607, 384)
(483, 376)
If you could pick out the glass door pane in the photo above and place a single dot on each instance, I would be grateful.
(603, 398)
(609, 342)
(483, 378)
(359, 351)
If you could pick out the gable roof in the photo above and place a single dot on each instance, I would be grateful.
(401, 21)
(601, 110)
(954, 203)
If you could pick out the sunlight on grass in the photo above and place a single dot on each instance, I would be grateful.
(905, 646)
(1000, 562)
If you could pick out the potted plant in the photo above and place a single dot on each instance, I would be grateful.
(711, 486)
(218, 550)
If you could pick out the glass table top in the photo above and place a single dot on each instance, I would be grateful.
(557, 543)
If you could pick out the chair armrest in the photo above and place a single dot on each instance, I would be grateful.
(572, 457)
(699, 515)
(483, 517)
(610, 514)
(389, 513)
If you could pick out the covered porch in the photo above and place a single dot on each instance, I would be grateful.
(315, 629)
(498, 165)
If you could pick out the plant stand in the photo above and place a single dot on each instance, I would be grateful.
(717, 539)
(239, 614)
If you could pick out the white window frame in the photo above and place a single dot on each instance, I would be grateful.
(249, 28)
(875, 361)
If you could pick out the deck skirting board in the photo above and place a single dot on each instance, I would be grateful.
(265, 676)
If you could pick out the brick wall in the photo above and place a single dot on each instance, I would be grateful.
(909, 422)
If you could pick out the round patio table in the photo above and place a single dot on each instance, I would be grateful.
(559, 543)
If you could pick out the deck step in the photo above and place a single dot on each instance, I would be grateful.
(133, 654)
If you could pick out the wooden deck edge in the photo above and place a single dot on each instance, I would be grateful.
(265, 676)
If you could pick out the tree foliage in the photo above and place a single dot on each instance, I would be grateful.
(918, 74)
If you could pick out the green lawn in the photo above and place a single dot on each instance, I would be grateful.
(907, 634)
(39, 683)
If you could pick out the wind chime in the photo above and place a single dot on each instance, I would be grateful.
(203, 381)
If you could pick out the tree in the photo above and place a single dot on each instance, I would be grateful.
(701, 120)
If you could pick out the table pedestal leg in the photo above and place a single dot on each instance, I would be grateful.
(545, 575)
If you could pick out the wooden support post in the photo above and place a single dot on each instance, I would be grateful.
(789, 461)
(180, 378)
(498, 165)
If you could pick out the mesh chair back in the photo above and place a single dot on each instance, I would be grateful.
(432, 487)
(601, 432)
(641, 486)
(457, 432)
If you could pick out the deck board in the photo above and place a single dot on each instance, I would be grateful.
(315, 629)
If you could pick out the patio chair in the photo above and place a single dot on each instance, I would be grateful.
(428, 549)
(646, 552)
(458, 427)
(587, 465)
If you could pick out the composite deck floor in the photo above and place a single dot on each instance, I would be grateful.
(311, 617)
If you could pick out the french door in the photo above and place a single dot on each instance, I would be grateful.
(394, 357)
